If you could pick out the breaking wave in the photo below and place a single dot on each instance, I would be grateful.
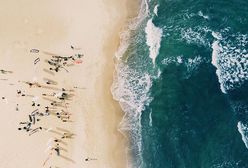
(153, 39)
(131, 87)
(202, 15)
(230, 58)
(155, 10)
(243, 130)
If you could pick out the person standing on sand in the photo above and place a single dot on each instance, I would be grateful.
(57, 150)
(89, 159)
(17, 109)
(4, 72)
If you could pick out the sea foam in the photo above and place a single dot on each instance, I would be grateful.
(155, 10)
(131, 89)
(150, 119)
(243, 130)
(190, 64)
(153, 39)
(202, 15)
(216, 50)
(132, 25)
(230, 57)
(196, 35)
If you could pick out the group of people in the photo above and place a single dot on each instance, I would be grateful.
(60, 62)
(56, 144)
(56, 104)
(57, 107)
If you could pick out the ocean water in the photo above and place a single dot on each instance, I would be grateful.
(182, 82)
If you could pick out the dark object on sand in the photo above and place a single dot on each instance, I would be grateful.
(4, 72)
(34, 50)
(89, 159)
(57, 151)
(36, 60)
(17, 109)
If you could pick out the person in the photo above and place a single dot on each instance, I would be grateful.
(80, 55)
(37, 84)
(47, 110)
(64, 94)
(4, 72)
(34, 50)
(66, 135)
(56, 140)
(57, 150)
(17, 109)
(57, 69)
(89, 159)
(30, 84)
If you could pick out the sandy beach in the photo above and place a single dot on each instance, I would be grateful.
(86, 33)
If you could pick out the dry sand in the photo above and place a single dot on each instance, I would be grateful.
(92, 27)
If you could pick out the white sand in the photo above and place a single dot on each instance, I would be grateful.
(52, 27)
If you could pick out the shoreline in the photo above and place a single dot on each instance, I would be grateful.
(113, 38)
(52, 28)
(131, 11)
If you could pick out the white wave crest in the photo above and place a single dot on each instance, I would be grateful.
(202, 15)
(216, 50)
(155, 10)
(150, 119)
(230, 58)
(153, 39)
(243, 130)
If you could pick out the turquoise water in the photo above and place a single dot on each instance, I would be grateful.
(182, 81)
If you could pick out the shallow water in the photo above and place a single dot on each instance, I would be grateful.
(182, 83)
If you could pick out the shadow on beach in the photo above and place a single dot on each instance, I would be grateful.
(67, 158)
(48, 71)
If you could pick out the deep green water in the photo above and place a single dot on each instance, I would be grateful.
(189, 108)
